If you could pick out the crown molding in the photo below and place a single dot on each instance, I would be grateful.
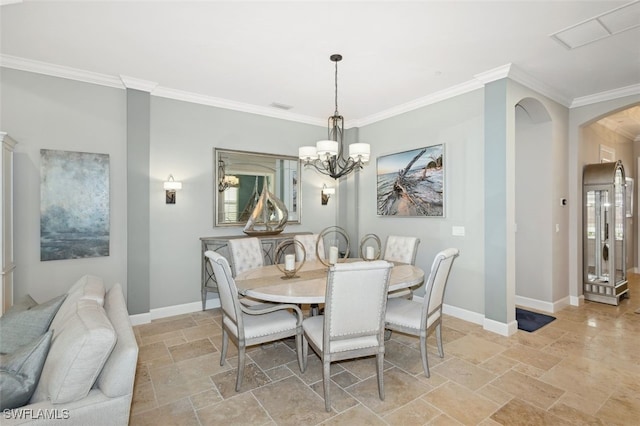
(138, 83)
(196, 98)
(614, 127)
(494, 74)
(516, 74)
(440, 96)
(124, 82)
(609, 95)
(69, 73)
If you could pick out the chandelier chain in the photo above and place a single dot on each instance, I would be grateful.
(336, 88)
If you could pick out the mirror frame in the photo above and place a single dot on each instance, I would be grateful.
(218, 152)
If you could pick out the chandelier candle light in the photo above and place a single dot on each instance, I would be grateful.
(327, 156)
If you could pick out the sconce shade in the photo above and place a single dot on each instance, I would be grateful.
(172, 185)
(328, 191)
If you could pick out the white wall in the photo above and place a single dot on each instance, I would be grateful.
(42, 112)
(458, 124)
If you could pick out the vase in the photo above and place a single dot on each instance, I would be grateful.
(270, 215)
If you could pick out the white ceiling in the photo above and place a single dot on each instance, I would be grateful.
(252, 54)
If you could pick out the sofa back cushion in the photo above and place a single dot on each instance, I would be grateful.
(88, 287)
(118, 374)
(79, 350)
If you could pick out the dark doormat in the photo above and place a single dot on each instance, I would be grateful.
(531, 321)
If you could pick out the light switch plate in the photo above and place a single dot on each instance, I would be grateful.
(457, 231)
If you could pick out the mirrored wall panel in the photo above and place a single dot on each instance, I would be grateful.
(240, 177)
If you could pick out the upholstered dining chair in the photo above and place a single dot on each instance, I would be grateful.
(251, 325)
(420, 318)
(246, 253)
(353, 322)
(401, 249)
(309, 243)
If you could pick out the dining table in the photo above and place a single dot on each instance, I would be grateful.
(268, 283)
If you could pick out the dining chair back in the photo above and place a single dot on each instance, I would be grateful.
(420, 318)
(353, 322)
(401, 249)
(309, 242)
(246, 253)
(251, 325)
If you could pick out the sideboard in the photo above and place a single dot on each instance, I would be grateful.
(220, 245)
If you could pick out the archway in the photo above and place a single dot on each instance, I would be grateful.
(533, 205)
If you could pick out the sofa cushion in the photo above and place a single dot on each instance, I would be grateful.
(116, 377)
(20, 372)
(25, 321)
(88, 287)
(79, 350)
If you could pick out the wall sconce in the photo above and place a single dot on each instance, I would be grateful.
(226, 181)
(170, 187)
(326, 193)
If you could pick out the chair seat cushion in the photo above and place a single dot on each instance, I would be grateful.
(265, 324)
(406, 313)
(313, 328)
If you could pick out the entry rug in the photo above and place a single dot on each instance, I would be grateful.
(531, 321)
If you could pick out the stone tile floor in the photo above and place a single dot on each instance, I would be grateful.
(583, 368)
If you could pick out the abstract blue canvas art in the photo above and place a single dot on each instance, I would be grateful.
(74, 205)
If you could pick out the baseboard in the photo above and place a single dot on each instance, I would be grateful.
(138, 319)
(476, 318)
(170, 311)
(500, 327)
(539, 305)
(463, 314)
(576, 300)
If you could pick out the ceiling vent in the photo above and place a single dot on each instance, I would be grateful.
(280, 106)
(601, 26)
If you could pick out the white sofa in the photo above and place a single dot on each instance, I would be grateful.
(88, 375)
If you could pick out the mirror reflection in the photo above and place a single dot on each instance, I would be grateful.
(240, 177)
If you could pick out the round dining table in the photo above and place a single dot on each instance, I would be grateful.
(308, 287)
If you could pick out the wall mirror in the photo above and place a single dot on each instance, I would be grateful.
(239, 179)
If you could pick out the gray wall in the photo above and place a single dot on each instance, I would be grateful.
(47, 112)
(183, 137)
(458, 124)
(42, 112)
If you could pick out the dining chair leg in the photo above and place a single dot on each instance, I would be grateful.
(380, 360)
(439, 339)
(387, 335)
(326, 382)
(240, 366)
(423, 353)
(299, 349)
(305, 352)
(225, 344)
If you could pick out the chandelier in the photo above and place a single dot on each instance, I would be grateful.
(328, 156)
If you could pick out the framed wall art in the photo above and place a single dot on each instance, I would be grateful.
(411, 183)
(74, 205)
